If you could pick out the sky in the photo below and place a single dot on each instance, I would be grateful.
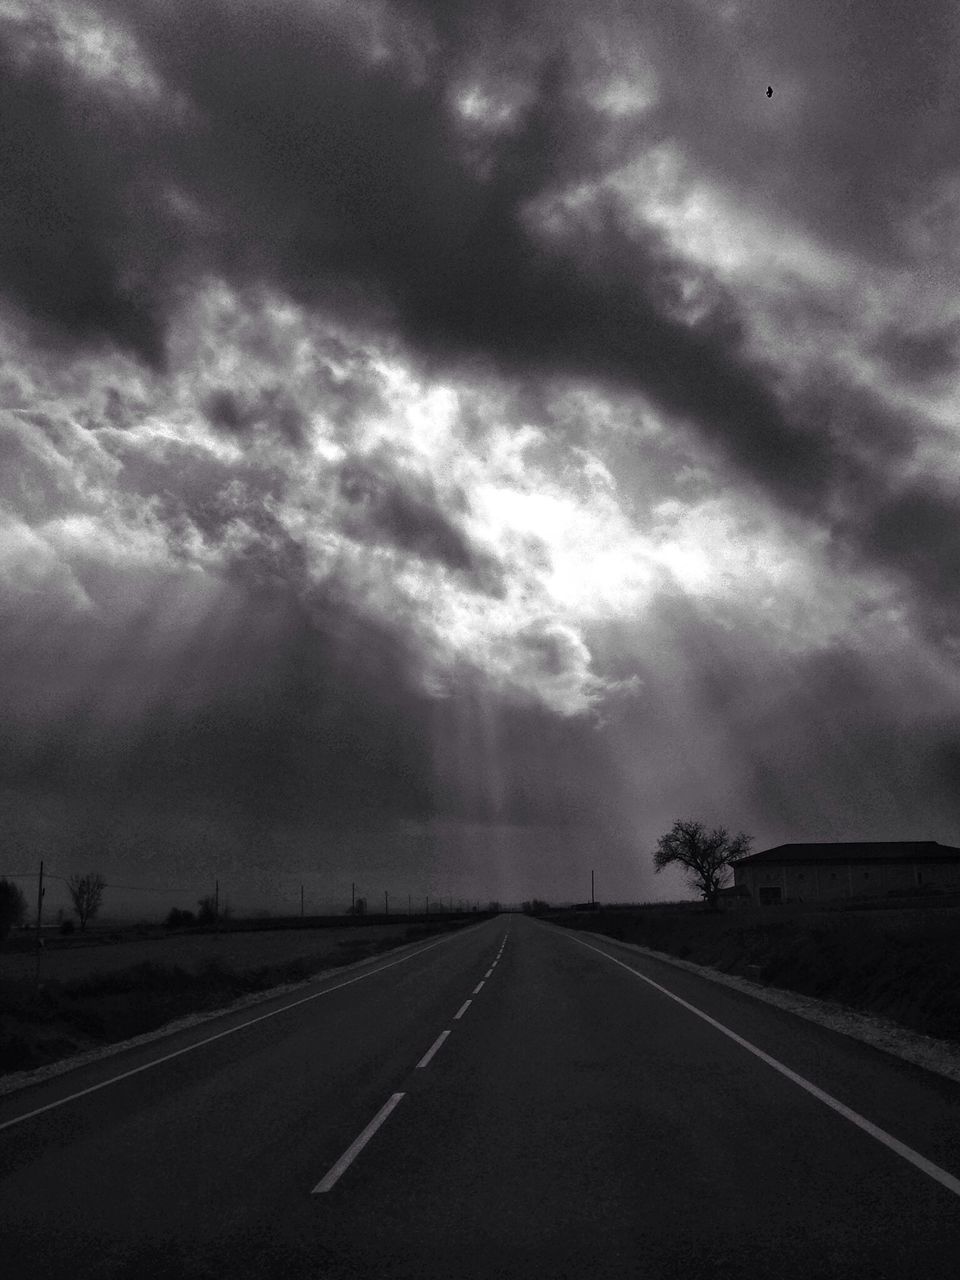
(441, 444)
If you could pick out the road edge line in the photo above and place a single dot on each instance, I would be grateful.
(934, 1171)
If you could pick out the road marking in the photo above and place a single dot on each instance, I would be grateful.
(219, 1036)
(476, 989)
(462, 1010)
(888, 1140)
(351, 1153)
(425, 1060)
(488, 973)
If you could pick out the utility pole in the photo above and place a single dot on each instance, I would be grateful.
(353, 899)
(427, 904)
(409, 905)
(593, 900)
(386, 903)
(40, 892)
(216, 905)
(301, 902)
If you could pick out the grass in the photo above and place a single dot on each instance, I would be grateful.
(65, 1018)
(903, 966)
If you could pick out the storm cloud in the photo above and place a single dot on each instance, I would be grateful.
(425, 413)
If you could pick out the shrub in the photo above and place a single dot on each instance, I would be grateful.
(207, 913)
(178, 919)
(67, 927)
(13, 906)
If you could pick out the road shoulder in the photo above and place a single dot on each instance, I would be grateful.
(940, 1056)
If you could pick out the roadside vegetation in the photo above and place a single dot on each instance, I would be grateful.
(63, 1018)
(898, 959)
(13, 907)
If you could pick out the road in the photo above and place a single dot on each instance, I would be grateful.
(590, 1113)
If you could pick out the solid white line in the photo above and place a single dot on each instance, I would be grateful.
(356, 1146)
(488, 973)
(219, 1036)
(476, 989)
(907, 1153)
(425, 1060)
(462, 1010)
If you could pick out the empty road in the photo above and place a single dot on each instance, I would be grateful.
(513, 1101)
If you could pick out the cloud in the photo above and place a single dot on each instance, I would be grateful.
(383, 504)
(389, 387)
(84, 240)
(346, 183)
(921, 357)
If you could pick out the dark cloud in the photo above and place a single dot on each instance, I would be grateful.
(273, 410)
(84, 243)
(349, 184)
(405, 510)
(191, 490)
(857, 132)
(915, 533)
(920, 357)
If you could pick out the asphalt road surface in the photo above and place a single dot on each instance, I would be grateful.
(513, 1101)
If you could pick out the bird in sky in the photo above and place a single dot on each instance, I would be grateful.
(769, 91)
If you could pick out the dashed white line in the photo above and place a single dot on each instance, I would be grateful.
(167, 1057)
(888, 1140)
(355, 1147)
(425, 1060)
(462, 1010)
(477, 988)
(489, 971)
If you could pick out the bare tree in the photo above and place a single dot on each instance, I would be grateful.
(706, 858)
(86, 893)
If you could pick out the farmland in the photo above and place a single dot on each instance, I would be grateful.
(105, 987)
(236, 949)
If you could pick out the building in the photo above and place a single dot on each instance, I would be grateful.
(815, 872)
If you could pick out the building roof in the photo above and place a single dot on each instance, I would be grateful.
(856, 851)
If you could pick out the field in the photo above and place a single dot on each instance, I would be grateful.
(190, 950)
(901, 962)
(106, 987)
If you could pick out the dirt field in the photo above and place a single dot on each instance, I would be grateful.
(191, 951)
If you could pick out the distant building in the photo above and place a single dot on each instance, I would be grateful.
(813, 872)
(733, 895)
